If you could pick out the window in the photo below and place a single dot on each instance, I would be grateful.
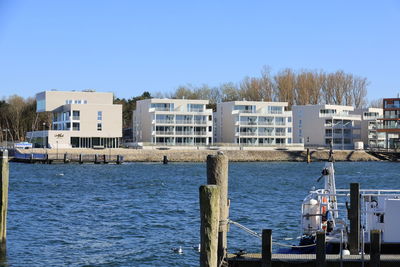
(289, 119)
(99, 116)
(289, 130)
(195, 107)
(84, 101)
(75, 115)
(275, 110)
(99, 126)
(75, 126)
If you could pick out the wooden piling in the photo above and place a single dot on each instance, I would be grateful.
(375, 250)
(105, 159)
(96, 159)
(165, 160)
(65, 158)
(4, 199)
(266, 252)
(209, 224)
(320, 257)
(354, 217)
(80, 159)
(120, 159)
(308, 156)
(217, 174)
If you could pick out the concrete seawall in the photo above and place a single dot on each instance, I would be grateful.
(138, 155)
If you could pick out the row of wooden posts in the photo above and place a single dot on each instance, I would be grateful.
(80, 158)
(214, 214)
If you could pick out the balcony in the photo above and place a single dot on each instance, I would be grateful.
(339, 114)
(248, 123)
(200, 133)
(165, 121)
(184, 122)
(164, 132)
(280, 133)
(265, 123)
(184, 133)
(248, 133)
(265, 133)
(202, 122)
(383, 127)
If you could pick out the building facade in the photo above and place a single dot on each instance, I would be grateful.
(253, 123)
(390, 126)
(321, 125)
(173, 122)
(84, 119)
(369, 124)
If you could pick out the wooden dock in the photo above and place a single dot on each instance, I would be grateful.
(68, 158)
(283, 260)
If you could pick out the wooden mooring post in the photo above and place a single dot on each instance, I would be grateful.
(320, 257)
(165, 160)
(209, 224)
(308, 156)
(354, 217)
(4, 199)
(266, 248)
(217, 174)
(375, 249)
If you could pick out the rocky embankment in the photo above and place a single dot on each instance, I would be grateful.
(155, 155)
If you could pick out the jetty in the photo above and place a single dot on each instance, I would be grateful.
(46, 158)
(214, 218)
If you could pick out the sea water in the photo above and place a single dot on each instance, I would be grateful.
(135, 214)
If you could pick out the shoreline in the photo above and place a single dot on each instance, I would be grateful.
(176, 155)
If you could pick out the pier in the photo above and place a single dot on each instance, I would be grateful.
(214, 215)
(68, 158)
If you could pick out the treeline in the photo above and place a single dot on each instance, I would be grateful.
(18, 116)
(295, 87)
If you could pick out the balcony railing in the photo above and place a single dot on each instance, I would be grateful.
(248, 133)
(165, 121)
(164, 132)
(280, 133)
(265, 123)
(202, 122)
(248, 122)
(265, 133)
(389, 127)
(184, 132)
(184, 122)
(200, 133)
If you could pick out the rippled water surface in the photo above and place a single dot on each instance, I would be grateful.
(133, 214)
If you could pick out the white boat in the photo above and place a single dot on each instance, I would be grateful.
(327, 209)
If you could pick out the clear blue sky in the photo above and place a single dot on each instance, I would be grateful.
(128, 47)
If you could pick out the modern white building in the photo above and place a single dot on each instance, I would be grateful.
(255, 123)
(369, 124)
(321, 125)
(173, 122)
(84, 119)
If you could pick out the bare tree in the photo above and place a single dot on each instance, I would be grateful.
(285, 84)
(359, 91)
(376, 103)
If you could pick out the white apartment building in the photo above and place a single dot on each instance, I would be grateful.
(84, 119)
(253, 123)
(320, 125)
(173, 122)
(369, 124)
